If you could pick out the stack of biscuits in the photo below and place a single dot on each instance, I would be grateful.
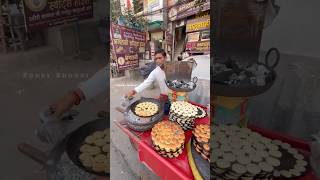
(239, 153)
(294, 164)
(183, 113)
(94, 153)
(201, 113)
(201, 139)
(168, 139)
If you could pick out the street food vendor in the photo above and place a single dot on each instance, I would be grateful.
(156, 75)
(98, 84)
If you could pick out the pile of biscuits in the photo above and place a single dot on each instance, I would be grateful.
(146, 109)
(240, 153)
(201, 139)
(94, 153)
(294, 163)
(183, 113)
(168, 139)
(201, 113)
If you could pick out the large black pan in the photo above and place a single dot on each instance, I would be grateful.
(76, 140)
(51, 160)
(247, 91)
(142, 100)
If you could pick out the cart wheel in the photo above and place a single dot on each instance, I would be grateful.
(134, 145)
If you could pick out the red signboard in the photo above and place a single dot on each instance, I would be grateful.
(47, 13)
(127, 44)
(198, 47)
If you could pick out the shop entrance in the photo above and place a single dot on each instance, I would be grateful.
(180, 41)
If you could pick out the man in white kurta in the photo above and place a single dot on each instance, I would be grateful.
(157, 75)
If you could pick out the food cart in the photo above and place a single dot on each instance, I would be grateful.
(180, 168)
(176, 168)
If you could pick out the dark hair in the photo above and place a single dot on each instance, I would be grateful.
(161, 51)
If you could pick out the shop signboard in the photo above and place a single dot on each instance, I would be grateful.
(205, 35)
(169, 38)
(127, 44)
(193, 37)
(47, 13)
(187, 9)
(203, 14)
(198, 47)
(152, 49)
(198, 24)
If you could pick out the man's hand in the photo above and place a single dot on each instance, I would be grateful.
(62, 105)
(131, 93)
(67, 102)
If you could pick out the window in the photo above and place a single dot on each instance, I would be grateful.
(138, 6)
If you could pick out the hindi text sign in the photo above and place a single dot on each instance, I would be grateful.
(47, 13)
(127, 44)
(198, 47)
(198, 24)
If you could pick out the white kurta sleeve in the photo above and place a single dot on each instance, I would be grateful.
(146, 83)
(97, 84)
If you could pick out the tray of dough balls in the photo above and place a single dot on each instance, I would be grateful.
(240, 153)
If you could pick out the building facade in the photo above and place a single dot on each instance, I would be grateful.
(190, 26)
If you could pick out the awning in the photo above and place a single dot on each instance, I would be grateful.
(155, 25)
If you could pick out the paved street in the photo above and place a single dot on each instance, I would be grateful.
(124, 159)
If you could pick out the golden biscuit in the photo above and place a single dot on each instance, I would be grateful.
(85, 148)
(90, 139)
(100, 142)
(99, 167)
(100, 158)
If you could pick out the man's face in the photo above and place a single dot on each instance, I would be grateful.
(160, 59)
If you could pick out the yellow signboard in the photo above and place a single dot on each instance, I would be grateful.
(198, 24)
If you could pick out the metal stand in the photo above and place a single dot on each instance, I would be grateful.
(11, 35)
